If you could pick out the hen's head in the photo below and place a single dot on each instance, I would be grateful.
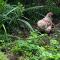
(50, 14)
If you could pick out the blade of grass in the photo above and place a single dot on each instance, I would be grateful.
(5, 31)
(27, 24)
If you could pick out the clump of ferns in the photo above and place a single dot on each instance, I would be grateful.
(12, 14)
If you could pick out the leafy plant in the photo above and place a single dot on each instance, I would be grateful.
(33, 50)
(3, 56)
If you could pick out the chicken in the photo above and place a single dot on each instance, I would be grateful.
(46, 23)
